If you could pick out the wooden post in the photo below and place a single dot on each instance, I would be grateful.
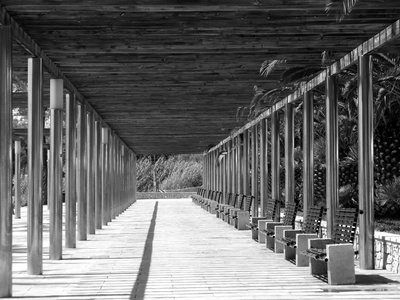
(70, 172)
(104, 175)
(56, 105)
(275, 160)
(263, 166)
(5, 161)
(17, 181)
(245, 163)
(81, 174)
(254, 169)
(91, 206)
(289, 154)
(240, 171)
(308, 151)
(228, 171)
(332, 152)
(366, 162)
(97, 173)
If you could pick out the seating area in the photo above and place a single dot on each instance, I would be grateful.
(236, 210)
(332, 259)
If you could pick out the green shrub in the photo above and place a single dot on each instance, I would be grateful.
(387, 201)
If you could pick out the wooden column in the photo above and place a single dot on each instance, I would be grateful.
(289, 154)
(263, 166)
(235, 187)
(70, 172)
(35, 167)
(245, 163)
(97, 174)
(366, 162)
(240, 164)
(308, 151)
(55, 197)
(90, 184)
(17, 181)
(275, 159)
(104, 175)
(228, 171)
(110, 182)
(81, 174)
(332, 152)
(5, 161)
(254, 169)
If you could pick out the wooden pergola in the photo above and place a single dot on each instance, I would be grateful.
(158, 77)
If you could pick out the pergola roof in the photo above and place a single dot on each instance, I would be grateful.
(167, 75)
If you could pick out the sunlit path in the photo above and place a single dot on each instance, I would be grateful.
(189, 254)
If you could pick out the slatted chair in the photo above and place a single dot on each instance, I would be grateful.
(225, 214)
(334, 257)
(210, 195)
(219, 209)
(213, 202)
(240, 218)
(274, 230)
(296, 241)
(259, 222)
(230, 210)
(196, 198)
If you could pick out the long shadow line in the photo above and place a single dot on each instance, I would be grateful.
(144, 270)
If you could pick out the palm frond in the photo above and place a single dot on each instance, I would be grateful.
(384, 59)
(340, 8)
(299, 74)
(270, 65)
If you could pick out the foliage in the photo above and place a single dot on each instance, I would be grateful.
(170, 172)
(340, 8)
(387, 203)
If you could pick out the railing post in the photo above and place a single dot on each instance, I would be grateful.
(5, 161)
(308, 151)
(332, 152)
(70, 174)
(263, 166)
(366, 162)
(56, 105)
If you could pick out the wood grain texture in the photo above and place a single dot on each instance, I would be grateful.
(183, 65)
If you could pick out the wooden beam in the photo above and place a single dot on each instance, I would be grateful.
(389, 34)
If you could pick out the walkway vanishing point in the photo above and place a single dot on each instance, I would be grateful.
(171, 249)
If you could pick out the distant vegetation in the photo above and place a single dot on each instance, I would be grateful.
(163, 172)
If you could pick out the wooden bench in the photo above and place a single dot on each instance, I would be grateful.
(259, 222)
(296, 241)
(219, 209)
(274, 230)
(205, 200)
(334, 257)
(212, 203)
(200, 193)
(235, 203)
(231, 210)
(240, 218)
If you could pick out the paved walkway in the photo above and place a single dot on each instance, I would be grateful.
(172, 249)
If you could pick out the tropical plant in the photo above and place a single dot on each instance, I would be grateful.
(387, 202)
(340, 8)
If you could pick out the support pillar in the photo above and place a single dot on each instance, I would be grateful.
(366, 162)
(70, 172)
(254, 169)
(289, 154)
(275, 160)
(228, 171)
(81, 174)
(245, 163)
(97, 172)
(308, 151)
(5, 161)
(104, 174)
(332, 152)
(35, 167)
(17, 180)
(91, 208)
(240, 164)
(263, 166)
(55, 197)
